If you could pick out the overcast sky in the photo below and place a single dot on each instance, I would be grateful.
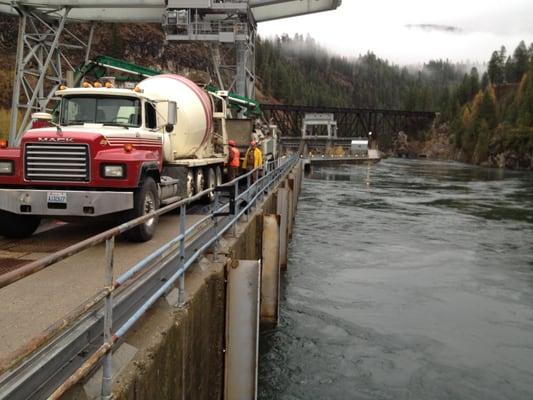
(415, 31)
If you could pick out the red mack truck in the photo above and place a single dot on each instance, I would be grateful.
(114, 152)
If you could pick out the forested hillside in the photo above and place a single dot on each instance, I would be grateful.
(495, 127)
(299, 71)
(487, 117)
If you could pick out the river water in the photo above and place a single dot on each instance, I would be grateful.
(407, 280)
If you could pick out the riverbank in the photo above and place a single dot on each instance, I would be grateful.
(438, 145)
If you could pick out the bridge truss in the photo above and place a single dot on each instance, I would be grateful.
(352, 122)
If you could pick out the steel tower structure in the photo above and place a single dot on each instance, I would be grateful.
(225, 25)
(44, 39)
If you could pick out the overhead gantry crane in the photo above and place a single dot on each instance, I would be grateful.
(45, 39)
(99, 66)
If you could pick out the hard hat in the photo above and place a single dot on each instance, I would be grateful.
(232, 143)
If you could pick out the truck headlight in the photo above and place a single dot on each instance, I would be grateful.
(6, 167)
(114, 171)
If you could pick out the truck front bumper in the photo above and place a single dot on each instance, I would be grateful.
(64, 203)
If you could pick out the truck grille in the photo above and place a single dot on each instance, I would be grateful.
(56, 162)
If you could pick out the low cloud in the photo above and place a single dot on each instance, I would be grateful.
(416, 31)
(435, 28)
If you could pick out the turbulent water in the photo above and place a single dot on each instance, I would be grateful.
(406, 280)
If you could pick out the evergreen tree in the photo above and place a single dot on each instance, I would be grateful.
(487, 109)
(481, 151)
(520, 61)
(525, 101)
(474, 82)
(484, 80)
(509, 70)
(530, 52)
(464, 90)
(496, 67)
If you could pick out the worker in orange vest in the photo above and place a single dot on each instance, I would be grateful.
(234, 160)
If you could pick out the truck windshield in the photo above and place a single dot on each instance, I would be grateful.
(107, 110)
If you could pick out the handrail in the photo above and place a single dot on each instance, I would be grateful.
(38, 265)
(110, 340)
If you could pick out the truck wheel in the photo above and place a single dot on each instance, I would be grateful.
(199, 180)
(190, 184)
(218, 175)
(145, 200)
(18, 226)
(211, 183)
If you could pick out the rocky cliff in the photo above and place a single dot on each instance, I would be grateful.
(438, 144)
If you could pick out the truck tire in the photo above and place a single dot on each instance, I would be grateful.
(199, 180)
(18, 226)
(189, 188)
(145, 200)
(211, 183)
(218, 175)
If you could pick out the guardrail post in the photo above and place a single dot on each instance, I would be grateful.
(183, 225)
(261, 185)
(249, 196)
(215, 245)
(234, 228)
(107, 380)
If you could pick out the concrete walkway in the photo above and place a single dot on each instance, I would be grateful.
(34, 303)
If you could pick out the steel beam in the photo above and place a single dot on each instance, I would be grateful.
(41, 63)
(231, 33)
(352, 122)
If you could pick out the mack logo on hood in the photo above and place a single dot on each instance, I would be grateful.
(53, 139)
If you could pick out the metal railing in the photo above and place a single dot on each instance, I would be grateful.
(222, 216)
(208, 28)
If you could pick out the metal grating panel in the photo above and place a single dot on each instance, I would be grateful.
(56, 162)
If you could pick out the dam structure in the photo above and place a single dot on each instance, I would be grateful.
(177, 317)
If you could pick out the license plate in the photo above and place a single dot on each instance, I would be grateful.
(57, 197)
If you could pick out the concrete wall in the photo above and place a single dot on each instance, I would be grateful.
(180, 350)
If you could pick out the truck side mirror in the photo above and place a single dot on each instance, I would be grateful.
(41, 116)
(172, 116)
(41, 120)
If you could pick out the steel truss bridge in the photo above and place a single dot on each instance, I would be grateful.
(352, 122)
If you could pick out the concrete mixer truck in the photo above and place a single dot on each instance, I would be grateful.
(114, 152)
